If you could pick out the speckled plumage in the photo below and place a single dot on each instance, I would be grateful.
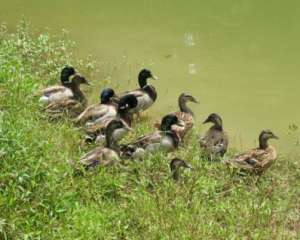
(215, 141)
(259, 159)
(68, 98)
(109, 154)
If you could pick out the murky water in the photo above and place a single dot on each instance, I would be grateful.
(239, 57)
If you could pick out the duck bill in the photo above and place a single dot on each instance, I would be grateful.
(206, 121)
(275, 137)
(194, 100)
(154, 77)
(87, 82)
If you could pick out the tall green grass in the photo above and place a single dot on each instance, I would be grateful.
(41, 198)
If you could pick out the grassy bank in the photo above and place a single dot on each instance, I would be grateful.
(40, 198)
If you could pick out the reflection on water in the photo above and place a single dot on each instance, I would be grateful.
(192, 68)
(189, 39)
(239, 57)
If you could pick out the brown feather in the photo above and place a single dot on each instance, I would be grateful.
(256, 160)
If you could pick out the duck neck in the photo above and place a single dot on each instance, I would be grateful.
(217, 126)
(111, 143)
(78, 94)
(150, 90)
(175, 174)
(126, 116)
(142, 81)
(263, 143)
(183, 107)
(105, 101)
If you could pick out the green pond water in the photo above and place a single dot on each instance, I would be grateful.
(240, 58)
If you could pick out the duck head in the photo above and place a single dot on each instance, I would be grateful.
(106, 95)
(127, 102)
(115, 131)
(183, 99)
(69, 77)
(175, 166)
(65, 75)
(216, 120)
(125, 105)
(167, 122)
(143, 76)
(78, 79)
(264, 136)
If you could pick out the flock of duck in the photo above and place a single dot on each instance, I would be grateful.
(111, 118)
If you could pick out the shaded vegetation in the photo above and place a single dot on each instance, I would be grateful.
(41, 198)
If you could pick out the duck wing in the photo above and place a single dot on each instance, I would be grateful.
(188, 123)
(214, 142)
(96, 128)
(96, 113)
(55, 93)
(144, 100)
(187, 118)
(68, 105)
(99, 156)
(50, 90)
(147, 139)
(86, 114)
(135, 92)
(255, 159)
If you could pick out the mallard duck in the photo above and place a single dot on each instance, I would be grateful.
(215, 141)
(165, 139)
(72, 106)
(98, 113)
(96, 130)
(146, 94)
(259, 159)
(108, 155)
(176, 165)
(66, 90)
(185, 115)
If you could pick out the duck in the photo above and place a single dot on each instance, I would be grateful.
(97, 113)
(164, 139)
(146, 94)
(176, 166)
(109, 154)
(257, 160)
(96, 130)
(185, 115)
(73, 105)
(67, 89)
(215, 141)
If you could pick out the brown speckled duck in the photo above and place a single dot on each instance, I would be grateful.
(259, 159)
(185, 115)
(215, 141)
(109, 154)
(69, 88)
(68, 98)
